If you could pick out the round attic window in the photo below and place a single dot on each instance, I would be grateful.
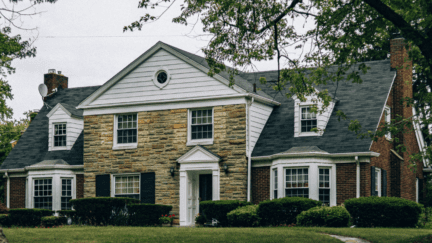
(162, 77)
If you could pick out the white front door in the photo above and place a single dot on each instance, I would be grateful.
(192, 198)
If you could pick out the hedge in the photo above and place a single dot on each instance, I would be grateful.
(284, 210)
(4, 220)
(69, 214)
(244, 216)
(383, 211)
(146, 214)
(102, 210)
(220, 209)
(27, 216)
(50, 221)
(324, 216)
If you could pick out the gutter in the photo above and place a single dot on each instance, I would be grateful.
(314, 154)
(7, 190)
(249, 150)
(357, 176)
(43, 167)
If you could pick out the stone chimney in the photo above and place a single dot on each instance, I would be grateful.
(53, 80)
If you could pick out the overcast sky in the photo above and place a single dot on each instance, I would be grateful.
(84, 39)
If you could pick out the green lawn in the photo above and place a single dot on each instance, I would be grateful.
(89, 234)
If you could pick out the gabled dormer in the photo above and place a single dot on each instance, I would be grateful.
(305, 119)
(65, 125)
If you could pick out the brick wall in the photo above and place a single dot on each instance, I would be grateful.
(80, 186)
(345, 181)
(17, 192)
(162, 137)
(53, 81)
(260, 184)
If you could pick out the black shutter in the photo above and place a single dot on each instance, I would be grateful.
(373, 181)
(384, 183)
(103, 186)
(420, 193)
(147, 193)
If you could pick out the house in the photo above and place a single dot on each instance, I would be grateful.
(164, 132)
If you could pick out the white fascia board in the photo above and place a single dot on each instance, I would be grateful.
(54, 110)
(419, 137)
(210, 157)
(383, 107)
(315, 154)
(44, 167)
(86, 102)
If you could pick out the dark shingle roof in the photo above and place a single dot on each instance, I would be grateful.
(72, 110)
(32, 147)
(363, 102)
(239, 81)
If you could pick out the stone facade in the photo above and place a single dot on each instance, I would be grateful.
(162, 137)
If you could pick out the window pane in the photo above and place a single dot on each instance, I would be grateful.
(201, 124)
(126, 185)
(43, 193)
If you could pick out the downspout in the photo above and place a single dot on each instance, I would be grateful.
(357, 177)
(249, 104)
(7, 190)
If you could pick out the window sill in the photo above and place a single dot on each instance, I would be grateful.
(309, 134)
(125, 146)
(58, 148)
(200, 142)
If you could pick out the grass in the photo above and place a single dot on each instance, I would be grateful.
(88, 234)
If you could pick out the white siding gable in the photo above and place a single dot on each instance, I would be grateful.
(259, 114)
(186, 82)
(74, 127)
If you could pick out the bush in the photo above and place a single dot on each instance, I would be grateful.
(50, 221)
(383, 211)
(147, 214)
(200, 219)
(220, 209)
(324, 216)
(284, 210)
(4, 220)
(3, 209)
(244, 216)
(102, 210)
(27, 216)
(69, 214)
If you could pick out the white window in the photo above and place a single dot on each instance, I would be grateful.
(275, 183)
(200, 125)
(127, 186)
(308, 119)
(66, 194)
(387, 116)
(126, 131)
(60, 135)
(378, 182)
(324, 186)
(43, 197)
(296, 182)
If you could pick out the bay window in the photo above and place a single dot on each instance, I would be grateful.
(43, 194)
(324, 186)
(296, 182)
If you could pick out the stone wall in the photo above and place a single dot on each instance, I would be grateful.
(162, 137)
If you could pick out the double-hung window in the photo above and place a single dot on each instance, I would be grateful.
(43, 193)
(60, 135)
(66, 194)
(324, 186)
(126, 130)
(275, 183)
(297, 182)
(200, 126)
(127, 186)
(308, 119)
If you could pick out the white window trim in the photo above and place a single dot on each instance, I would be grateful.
(117, 146)
(53, 148)
(306, 134)
(417, 190)
(154, 79)
(330, 180)
(113, 176)
(387, 119)
(61, 187)
(378, 181)
(284, 179)
(56, 176)
(272, 186)
(195, 142)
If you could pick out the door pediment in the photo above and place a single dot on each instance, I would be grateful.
(199, 154)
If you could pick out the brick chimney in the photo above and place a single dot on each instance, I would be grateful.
(53, 80)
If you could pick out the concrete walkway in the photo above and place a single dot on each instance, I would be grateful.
(348, 239)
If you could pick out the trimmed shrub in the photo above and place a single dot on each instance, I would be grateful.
(69, 214)
(383, 211)
(220, 209)
(27, 216)
(147, 214)
(284, 210)
(50, 221)
(102, 210)
(324, 216)
(244, 216)
(200, 219)
(3, 209)
(4, 220)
